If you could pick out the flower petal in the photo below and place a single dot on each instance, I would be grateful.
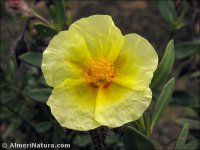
(64, 58)
(102, 37)
(118, 105)
(73, 105)
(136, 63)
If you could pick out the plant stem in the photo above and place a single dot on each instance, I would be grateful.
(141, 123)
(148, 122)
(39, 17)
(36, 15)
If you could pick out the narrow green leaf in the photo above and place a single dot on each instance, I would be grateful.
(45, 30)
(57, 12)
(191, 145)
(39, 95)
(10, 68)
(32, 58)
(43, 126)
(10, 128)
(167, 11)
(164, 67)
(142, 124)
(134, 140)
(193, 124)
(189, 112)
(186, 49)
(182, 138)
(147, 120)
(180, 24)
(195, 74)
(68, 18)
(42, 80)
(162, 101)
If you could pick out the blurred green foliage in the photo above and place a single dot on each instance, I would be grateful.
(26, 118)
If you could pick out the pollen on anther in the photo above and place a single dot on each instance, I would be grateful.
(98, 72)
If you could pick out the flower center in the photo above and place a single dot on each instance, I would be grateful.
(98, 72)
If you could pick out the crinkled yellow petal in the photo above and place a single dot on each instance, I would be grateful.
(102, 37)
(136, 63)
(64, 58)
(73, 105)
(118, 105)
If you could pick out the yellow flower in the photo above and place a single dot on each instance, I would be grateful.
(100, 77)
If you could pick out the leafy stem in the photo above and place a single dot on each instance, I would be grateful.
(33, 13)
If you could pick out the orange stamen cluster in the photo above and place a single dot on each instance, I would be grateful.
(98, 72)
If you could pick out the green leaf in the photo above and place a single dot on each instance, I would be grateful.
(68, 18)
(162, 101)
(10, 68)
(193, 124)
(42, 80)
(82, 140)
(134, 140)
(167, 11)
(45, 30)
(112, 138)
(192, 145)
(186, 49)
(195, 74)
(183, 98)
(189, 112)
(43, 126)
(180, 24)
(164, 67)
(56, 134)
(39, 95)
(10, 129)
(57, 12)
(32, 58)
(182, 138)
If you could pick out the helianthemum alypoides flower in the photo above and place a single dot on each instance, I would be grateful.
(99, 76)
